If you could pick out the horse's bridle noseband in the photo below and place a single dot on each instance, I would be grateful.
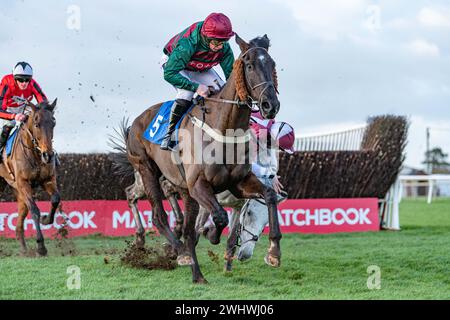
(242, 228)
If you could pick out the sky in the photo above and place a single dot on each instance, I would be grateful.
(338, 62)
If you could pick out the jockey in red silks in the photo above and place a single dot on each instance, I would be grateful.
(272, 137)
(188, 61)
(19, 84)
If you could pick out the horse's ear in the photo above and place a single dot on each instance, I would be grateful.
(266, 40)
(51, 107)
(242, 44)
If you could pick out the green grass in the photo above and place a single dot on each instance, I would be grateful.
(414, 263)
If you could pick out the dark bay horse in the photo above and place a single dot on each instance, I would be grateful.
(197, 183)
(31, 164)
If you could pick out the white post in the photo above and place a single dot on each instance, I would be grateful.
(430, 190)
(396, 203)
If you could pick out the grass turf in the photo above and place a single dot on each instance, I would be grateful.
(414, 264)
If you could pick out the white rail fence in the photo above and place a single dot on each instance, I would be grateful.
(345, 140)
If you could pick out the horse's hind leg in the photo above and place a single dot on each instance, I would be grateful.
(149, 172)
(171, 194)
(203, 193)
(190, 236)
(22, 212)
(134, 193)
(232, 239)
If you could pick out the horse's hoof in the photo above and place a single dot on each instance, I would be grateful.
(213, 236)
(228, 267)
(185, 260)
(200, 281)
(272, 261)
(41, 252)
(45, 220)
(139, 242)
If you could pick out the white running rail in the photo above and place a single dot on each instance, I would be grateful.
(344, 140)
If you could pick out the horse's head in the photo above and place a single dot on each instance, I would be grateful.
(252, 222)
(41, 122)
(256, 75)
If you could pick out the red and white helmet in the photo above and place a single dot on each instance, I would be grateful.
(284, 134)
(217, 26)
(22, 69)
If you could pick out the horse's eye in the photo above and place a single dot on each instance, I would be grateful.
(249, 67)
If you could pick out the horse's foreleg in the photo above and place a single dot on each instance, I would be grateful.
(190, 236)
(51, 188)
(232, 239)
(251, 187)
(22, 212)
(26, 193)
(203, 193)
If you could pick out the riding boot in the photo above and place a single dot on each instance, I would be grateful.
(179, 108)
(4, 135)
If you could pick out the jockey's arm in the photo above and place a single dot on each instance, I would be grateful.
(178, 60)
(227, 61)
(4, 92)
(6, 115)
(37, 92)
(267, 164)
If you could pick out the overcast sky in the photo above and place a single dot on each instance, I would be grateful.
(338, 61)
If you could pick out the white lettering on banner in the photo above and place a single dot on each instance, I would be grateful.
(2, 221)
(84, 220)
(12, 226)
(76, 220)
(323, 217)
(121, 219)
(127, 219)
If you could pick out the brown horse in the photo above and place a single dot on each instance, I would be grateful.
(251, 80)
(31, 164)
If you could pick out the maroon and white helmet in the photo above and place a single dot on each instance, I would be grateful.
(283, 133)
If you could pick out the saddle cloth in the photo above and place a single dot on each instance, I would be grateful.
(10, 142)
(158, 126)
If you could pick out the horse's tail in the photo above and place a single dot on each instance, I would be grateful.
(118, 142)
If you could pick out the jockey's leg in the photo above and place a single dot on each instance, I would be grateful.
(7, 127)
(179, 108)
(184, 97)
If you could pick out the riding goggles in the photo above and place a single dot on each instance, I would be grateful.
(22, 79)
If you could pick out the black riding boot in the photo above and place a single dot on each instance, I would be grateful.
(4, 135)
(179, 108)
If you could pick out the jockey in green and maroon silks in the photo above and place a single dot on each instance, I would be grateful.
(188, 60)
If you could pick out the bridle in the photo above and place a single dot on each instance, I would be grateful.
(34, 140)
(250, 101)
(242, 228)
